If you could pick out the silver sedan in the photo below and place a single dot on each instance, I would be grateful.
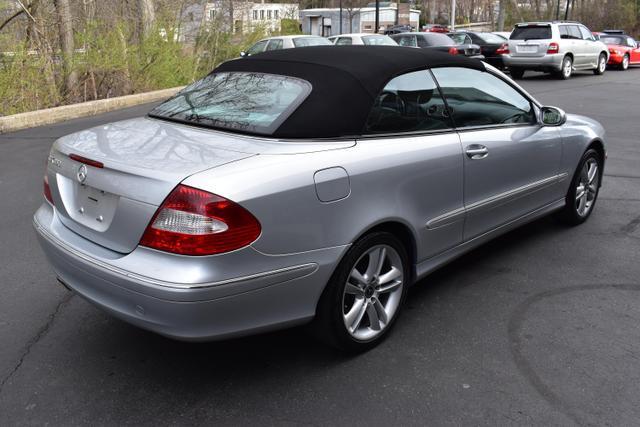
(310, 185)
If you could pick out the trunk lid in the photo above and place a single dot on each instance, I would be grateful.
(142, 161)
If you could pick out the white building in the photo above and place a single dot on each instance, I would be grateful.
(248, 16)
(326, 21)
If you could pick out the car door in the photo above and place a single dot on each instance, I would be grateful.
(634, 55)
(592, 49)
(414, 159)
(511, 163)
(578, 48)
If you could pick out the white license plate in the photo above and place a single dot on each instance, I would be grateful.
(527, 49)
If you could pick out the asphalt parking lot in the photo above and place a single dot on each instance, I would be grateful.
(541, 326)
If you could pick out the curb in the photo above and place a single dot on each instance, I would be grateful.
(67, 112)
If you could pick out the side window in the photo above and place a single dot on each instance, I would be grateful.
(408, 103)
(422, 42)
(274, 44)
(574, 32)
(586, 34)
(407, 41)
(631, 42)
(477, 98)
(467, 39)
(257, 48)
(564, 32)
(344, 41)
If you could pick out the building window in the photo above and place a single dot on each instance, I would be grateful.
(270, 14)
(262, 15)
(276, 13)
(212, 14)
(255, 15)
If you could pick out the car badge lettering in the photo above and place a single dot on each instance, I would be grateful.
(54, 161)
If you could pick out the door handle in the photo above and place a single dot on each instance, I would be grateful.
(477, 151)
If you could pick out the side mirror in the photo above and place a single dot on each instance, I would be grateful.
(243, 54)
(552, 116)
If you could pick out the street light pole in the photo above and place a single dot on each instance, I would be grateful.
(340, 31)
(377, 28)
(453, 15)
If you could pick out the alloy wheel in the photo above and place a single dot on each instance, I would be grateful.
(566, 68)
(602, 64)
(625, 62)
(587, 188)
(373, 292)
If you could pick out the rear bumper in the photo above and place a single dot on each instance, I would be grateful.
(536, 63)
(283, 295)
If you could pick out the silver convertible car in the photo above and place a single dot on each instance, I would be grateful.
(307, 185)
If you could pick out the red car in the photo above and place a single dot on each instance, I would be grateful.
(624, 50)
(435, 28)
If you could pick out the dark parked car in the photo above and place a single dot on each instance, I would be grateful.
(397, 29)
(437, 41)
(492, 47)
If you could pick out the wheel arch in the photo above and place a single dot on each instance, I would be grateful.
(598, 145)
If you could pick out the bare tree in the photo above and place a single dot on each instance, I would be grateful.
(65, 30)
(146, 16)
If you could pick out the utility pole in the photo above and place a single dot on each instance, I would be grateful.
(340, 31)
(453, 16)
(566, 11)
(377, 29)
(558, 11)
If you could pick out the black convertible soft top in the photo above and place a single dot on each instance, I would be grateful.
(346, 81)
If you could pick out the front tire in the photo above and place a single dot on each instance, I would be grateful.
(602, 65)
(583, 192)
(365, 294)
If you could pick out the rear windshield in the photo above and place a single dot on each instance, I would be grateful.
(531, 32)
(491, 38)
(437, 39)
(378, 40)
(612, 40)
(310, 41)
(239, 101)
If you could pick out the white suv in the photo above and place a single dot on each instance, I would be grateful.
(558, 47)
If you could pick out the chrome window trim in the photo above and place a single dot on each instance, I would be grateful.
(507, 196)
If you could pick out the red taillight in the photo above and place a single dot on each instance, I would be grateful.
(453, 50)
(503, 50)
(553, 47)
(195, 222)
(47, 189)
(86, 161)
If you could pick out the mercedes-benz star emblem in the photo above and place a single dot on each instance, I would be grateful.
(82, 174)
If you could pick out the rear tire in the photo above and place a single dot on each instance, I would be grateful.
(583, 192)
(602, 65)
(567, 68)
(516, 73)
(364, 296)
